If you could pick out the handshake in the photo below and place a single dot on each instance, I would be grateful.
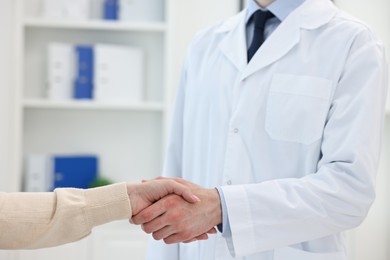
(175, 210)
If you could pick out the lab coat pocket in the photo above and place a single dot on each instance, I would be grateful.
(291, 253)
(297, 107)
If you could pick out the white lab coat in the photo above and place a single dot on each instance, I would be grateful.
(293, 137)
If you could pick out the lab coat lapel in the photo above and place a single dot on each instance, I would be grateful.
(233, 45)
(310, 15)
(279, 43)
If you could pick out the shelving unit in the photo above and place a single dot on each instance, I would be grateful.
(90, 105)
(138, 142)
(139, 130)
(128, 138)
(96, 25)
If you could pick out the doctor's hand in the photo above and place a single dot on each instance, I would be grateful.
(145, 194)
(175, 220)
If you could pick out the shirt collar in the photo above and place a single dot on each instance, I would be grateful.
(280, 8)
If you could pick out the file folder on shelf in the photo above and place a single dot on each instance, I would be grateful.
(60, 71)
(83, 84)
(141, 10)
(67, 9)
(85, 61)
(111, 9)
(38, 177)
(119, 74)
(77, 171)
(83, 88)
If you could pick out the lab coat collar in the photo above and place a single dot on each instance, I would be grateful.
(310, 15)
(233, 46)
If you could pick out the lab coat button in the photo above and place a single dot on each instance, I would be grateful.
(229, 182)
(235, 130)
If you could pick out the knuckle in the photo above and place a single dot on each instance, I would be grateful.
(171, 182)
(144, 215)
(176, 216)
(147, 216)
(172, 202)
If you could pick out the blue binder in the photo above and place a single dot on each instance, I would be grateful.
(75, 171)
(83, 89)
(85, 60)
(111, 9)
(83, 85)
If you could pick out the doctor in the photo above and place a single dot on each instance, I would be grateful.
(288, 132)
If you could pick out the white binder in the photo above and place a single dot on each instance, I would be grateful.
(141, 10)
(119, 74)
(38, 177)
(67, 9)
(60, 71)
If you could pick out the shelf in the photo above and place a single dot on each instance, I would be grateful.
(91, 105)
(96, 25)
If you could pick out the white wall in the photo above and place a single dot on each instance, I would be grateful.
(6, 64)
(375, 13)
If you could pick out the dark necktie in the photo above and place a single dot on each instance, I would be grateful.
(260, 18)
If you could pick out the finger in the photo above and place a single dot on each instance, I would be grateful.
(176, 238)
(163, 233)
(155, 225)
(186, 183)
(191, 240)
(202, 237)
(149, 213)
(184, 191)
(212, 231)
(182, 237)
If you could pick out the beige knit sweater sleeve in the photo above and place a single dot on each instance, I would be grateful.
(36, 220)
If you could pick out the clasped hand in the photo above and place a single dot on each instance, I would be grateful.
(177, 218)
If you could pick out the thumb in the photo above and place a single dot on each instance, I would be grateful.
(184, 192)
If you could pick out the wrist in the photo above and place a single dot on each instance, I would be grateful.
(216, 210)
(99, 200)
(132, 194)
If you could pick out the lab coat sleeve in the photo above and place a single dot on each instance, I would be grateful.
(172, 165)
(37, 220)
(337, 197)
